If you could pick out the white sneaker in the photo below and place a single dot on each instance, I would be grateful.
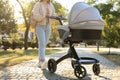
(39, 65)
(42, 65)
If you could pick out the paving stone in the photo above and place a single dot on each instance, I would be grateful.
(28, 70)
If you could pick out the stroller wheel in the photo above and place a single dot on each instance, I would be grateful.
(80, 72)
(52, 65)
(96, 69)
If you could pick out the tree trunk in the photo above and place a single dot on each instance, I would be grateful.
(98, 45)
(109, 50)
(27, 27)
(26, 38)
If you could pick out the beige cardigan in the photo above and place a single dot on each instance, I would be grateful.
(39, 12)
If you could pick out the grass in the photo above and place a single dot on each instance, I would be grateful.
(13, 57)
(112, 57)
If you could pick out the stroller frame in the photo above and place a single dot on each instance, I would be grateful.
(73, 54)
(76, 62)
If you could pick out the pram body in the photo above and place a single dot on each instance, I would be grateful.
(84, 23)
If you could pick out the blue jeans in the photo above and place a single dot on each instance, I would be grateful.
(43, 35)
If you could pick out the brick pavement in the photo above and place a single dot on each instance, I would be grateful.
(28, 70)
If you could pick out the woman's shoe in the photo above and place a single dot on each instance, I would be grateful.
(42, 65)
(39, 65)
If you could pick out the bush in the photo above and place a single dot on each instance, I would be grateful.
(6, 44)
(33, 44)
(91, 42)
(17, 44)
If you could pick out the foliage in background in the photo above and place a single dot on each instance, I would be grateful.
(60, 10)
(110, 13)
(7, 21)
(26, 10)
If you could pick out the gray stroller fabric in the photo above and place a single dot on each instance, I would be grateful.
(82, 16)
(64, 31)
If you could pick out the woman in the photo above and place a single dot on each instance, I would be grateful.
(41, 11)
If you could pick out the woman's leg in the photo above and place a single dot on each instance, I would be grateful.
(43, 35)
(47, 33)
(40, 32)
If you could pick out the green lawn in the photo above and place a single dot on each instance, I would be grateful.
(112, 57)
(12, 57)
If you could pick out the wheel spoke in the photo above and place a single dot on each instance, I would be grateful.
(80, 71)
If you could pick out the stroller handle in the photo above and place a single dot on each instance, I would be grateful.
(60, 18)
(57, 17)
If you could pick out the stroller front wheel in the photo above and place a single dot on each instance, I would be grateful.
(80, 72)
(52, 66)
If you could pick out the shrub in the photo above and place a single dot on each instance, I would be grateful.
(6, 44)
(17, 44)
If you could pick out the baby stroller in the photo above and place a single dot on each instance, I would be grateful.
(84, 23)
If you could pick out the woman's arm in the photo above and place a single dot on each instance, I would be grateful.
(36, 12)
(53, 9)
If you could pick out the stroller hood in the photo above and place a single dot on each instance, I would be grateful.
(83, 16)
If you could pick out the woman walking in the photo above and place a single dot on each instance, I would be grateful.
(41, 11)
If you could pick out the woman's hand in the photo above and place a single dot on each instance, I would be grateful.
(60, 15)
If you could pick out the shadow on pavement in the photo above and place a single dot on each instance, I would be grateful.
(54, 76)
(105, 77)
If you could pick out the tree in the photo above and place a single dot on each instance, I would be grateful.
(7, 21)
(110, 13)
(26, 10)
(91, 2)
(59, 10)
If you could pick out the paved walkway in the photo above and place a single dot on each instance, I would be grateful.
(29, 71)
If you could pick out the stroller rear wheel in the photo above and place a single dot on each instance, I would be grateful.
(96, 69)
(52, 66)
(80, 72)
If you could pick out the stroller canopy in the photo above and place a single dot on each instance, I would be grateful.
(83, 16)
